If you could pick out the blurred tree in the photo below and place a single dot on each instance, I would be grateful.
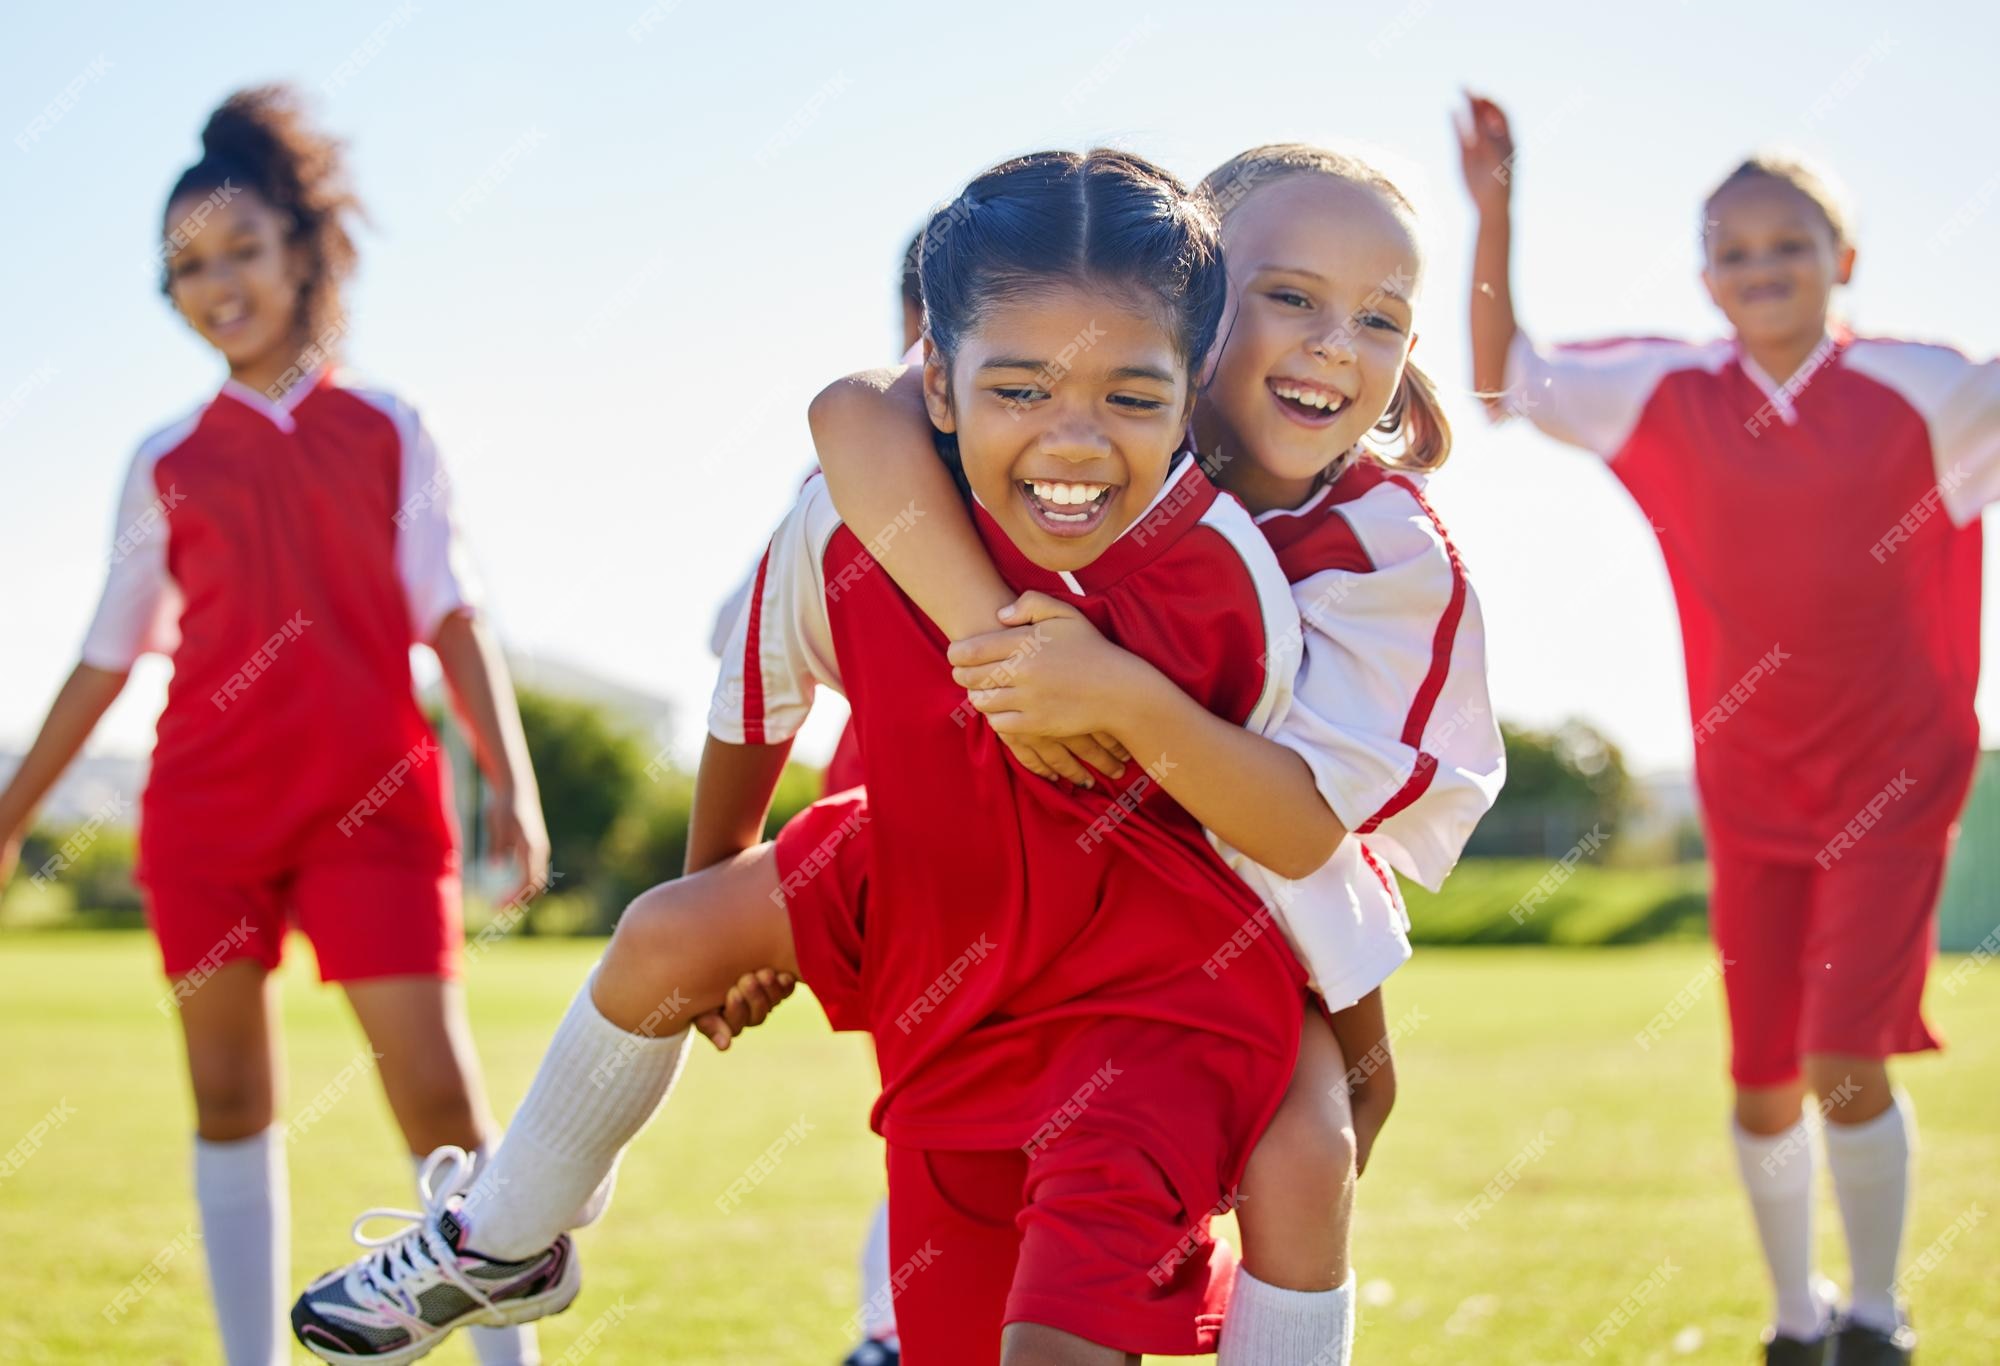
(1565, 788)
(590, 771)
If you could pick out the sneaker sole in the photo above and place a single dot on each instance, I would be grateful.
(512, 1313)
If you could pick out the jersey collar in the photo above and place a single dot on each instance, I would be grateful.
(1782, 398)
(1175, 510)
(278, 411)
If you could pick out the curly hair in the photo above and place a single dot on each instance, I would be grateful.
(260, 139)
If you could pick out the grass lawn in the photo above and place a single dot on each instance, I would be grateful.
(1518, 1059)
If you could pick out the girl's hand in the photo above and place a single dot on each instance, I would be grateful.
(1486, 152)
(1048, 675)
(1066, 759)
(749, 1003)
(1371, 1101)
(515, 832)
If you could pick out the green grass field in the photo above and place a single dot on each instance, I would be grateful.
(1521, 1056)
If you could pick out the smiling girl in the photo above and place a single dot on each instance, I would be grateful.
(1069, 992)
(1817, 499)
(285, 544)
(1315, 419)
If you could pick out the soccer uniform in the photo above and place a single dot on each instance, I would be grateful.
(843, 766)
(1391, 712)
(1069, 991)
(285, 555)
(1822, 539)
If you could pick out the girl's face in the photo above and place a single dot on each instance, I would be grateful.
(1068, 404)
(235, 277)
(1772, 261)
(1321, 275)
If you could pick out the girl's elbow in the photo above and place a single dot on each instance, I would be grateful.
(847, 400)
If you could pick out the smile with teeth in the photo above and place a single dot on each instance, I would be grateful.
(227, 314)
(1311, 396)
(1066, 502)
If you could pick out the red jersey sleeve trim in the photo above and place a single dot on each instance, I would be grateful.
(753, 663)
(1425, 701)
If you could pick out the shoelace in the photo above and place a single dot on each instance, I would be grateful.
(374, 1282)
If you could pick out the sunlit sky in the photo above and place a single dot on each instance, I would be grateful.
(691, 217)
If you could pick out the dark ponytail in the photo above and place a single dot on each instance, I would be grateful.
(1099, 218)
(261, 140)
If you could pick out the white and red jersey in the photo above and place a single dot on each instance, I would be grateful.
(1391, 712)
(1015, 927)
(285, 555)
(1823, 542)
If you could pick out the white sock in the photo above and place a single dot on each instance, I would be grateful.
(495, 1346)
(1870, 1163)
(1778, 1174)
(597, 1088)
(1267, 1326)
(246, 1227)
(878, 1303)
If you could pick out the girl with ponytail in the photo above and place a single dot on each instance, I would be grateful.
(285, 544)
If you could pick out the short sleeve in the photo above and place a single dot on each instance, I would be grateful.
(1966, 440)
(726, 615)
(780, 648)
(139, 610)
(1592, 395)
(1959, 400)
(431, 560)
(1391, 710)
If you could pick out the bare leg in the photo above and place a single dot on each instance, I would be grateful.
(1031, 1344)
(682, 945)
(1298, 1187)
(230, 1025)
(423, 1044)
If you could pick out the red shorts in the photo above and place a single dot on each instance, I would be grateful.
(364, 919)
(823, 876)
(1086, 1236)
(1823, 960)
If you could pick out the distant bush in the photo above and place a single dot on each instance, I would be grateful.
(1532, 901)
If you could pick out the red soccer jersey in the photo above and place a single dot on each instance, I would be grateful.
(1822, 538)
(285, 555)
(1024, 943)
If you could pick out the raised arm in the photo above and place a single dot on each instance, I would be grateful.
(1486, 153)
(85, 697)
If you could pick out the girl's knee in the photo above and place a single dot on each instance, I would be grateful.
(1307, 1155)
(232, 1103)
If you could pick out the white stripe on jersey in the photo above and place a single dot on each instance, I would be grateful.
(1959, 401)
(793, 651)
(1593, 396)
(431, 560)
(140, 607)
(1282, 648)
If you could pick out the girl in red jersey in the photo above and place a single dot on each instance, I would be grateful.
(984, 1000)
(1817, 498)
(285, 544)
(1390, 715)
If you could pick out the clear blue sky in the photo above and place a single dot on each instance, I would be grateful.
(617, 343)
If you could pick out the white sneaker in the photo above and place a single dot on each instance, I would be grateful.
(413, 1288)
